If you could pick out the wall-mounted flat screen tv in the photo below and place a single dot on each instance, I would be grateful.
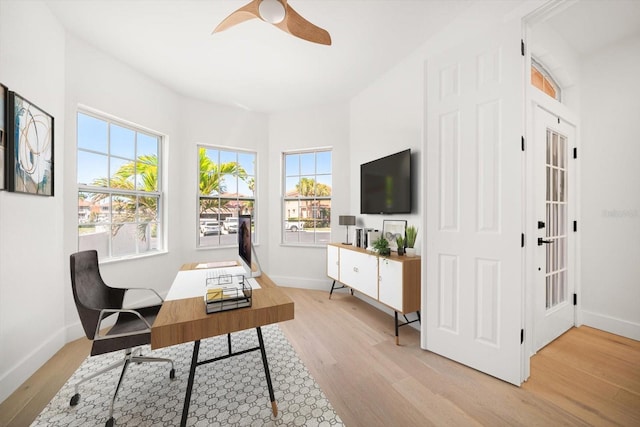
(385, 184)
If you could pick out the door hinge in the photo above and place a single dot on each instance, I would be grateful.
(575, 299)
(575, 152)
(523, 143)
(522, 240)
(522, 47)
(575, 226)
(521, 336)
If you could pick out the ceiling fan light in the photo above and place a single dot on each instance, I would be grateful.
(272, 11)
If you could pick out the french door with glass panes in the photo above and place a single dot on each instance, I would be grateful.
(554, 254)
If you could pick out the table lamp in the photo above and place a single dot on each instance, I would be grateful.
(347, 220)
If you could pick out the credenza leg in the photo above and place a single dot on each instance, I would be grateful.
(333, 288)
(395, 314)
(274, 405)
(192, 373)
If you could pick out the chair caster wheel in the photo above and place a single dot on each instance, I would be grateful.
(75, 399)
(110, 422)
(172, 374)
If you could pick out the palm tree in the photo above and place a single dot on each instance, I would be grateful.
(145, 172)
(212, 179)
(308, 187)
(124, 205)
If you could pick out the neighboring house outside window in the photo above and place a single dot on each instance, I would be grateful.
(119, 187)
(306, 208)
(226, 189)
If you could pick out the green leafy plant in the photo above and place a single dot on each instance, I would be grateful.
(400, 242)
(382, 246)
(412, 233)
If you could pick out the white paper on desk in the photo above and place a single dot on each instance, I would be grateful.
(218, 264)
(192, 283)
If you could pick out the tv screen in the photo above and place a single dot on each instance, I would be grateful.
(385, 185)
(244, 240)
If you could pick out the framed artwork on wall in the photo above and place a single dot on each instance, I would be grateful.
(29, 147)
(3, 133)
(392, 229)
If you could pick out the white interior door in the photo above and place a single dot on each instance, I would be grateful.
(554, 181)
(474, 169)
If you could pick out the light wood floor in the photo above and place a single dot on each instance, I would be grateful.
(586, 377)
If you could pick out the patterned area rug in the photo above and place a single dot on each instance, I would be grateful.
(229, 392)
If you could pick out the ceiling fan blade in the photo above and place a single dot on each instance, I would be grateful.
(245, 13)
(296, 25)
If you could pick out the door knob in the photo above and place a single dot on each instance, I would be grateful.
(541, 241)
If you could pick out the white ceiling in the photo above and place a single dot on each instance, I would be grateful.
(255, 65)
(591, 25)
(258, 67)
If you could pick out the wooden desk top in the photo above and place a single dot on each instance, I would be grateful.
(186, 320)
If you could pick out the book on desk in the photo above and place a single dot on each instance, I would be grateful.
(227, 292)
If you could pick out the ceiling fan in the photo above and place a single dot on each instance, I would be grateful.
(281, 15)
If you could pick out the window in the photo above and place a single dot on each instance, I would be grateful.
(119, 188)
(307, 197)
(541, 79)
(226, 188)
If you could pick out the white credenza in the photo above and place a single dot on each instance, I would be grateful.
(393, 281)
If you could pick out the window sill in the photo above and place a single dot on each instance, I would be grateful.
(134, 257)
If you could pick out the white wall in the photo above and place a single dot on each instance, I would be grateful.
(31, 233)
(98, 81)
(387, 118)
(560, 60)
(209, 124)
(326, 126)
(64, 74)
(611, 189)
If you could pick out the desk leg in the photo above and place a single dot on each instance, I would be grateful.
(274, 405)
(192, 373)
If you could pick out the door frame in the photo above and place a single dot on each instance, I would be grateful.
(534, 99)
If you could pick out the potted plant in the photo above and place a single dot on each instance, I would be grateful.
(400, 243)
(381, 245)
(411, 232)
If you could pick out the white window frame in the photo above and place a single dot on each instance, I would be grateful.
(284, 215)
(110, 191)
(231, 242)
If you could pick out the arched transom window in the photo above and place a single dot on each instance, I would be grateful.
(541, 79)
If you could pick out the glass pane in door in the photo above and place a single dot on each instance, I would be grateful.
(556, 213)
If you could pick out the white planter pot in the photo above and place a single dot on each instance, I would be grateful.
(411, 252)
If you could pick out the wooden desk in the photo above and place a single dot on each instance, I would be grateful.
(185, 320)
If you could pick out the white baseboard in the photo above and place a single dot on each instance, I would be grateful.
(297, 282)
(21, 372)
(611, 324)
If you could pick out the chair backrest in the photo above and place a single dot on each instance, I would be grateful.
(90, 292)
